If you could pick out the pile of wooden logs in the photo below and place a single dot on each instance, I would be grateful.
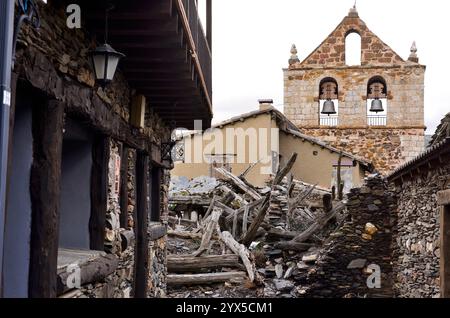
(237, 215)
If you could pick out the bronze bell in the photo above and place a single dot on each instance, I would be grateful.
(377, 106)
(328, 108)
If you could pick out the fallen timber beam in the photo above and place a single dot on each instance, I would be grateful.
(253, 229)
(319, 224)
(239, 183)
(176, 221)
(293, 246)
(190, 200)
(204, 279)
(184, 234)
(177, 264)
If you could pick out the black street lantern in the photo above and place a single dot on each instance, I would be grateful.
(105, 60)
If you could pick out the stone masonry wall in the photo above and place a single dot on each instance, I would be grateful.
(157, 284)
(332, 51)
(342, 267)
(386, 148)
(417, 244)
(405, 102)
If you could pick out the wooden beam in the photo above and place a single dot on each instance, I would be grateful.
(443, 197)
(99, 192)
(141, 262)
(445, 252)
(14, 78)
(204, 279)
(124, 164)
(155, 204)
(177, 264)
(192, 46)
(45, 188)
(209, 23)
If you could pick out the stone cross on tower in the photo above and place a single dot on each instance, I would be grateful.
(413, 56)
(294, 57)
(353, 12)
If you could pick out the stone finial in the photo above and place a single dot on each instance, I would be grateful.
(413, 56)
(353, 13)
(294, 57)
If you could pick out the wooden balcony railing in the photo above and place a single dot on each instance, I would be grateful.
(198, 43)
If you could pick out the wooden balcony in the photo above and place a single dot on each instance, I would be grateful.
(168, 58)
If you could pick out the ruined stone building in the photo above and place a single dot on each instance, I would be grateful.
(398, 226)
(372, 107)
(89, 164)
(421, 248)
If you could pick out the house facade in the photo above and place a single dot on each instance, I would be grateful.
(89, 166)
(372, 106)
(261, 140)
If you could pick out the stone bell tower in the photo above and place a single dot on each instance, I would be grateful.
(372, 107)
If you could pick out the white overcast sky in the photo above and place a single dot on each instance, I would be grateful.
(252, 40)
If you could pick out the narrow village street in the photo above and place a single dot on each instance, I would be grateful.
(187, 149)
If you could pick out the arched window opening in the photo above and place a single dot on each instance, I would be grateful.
(353, 49)
(377, 102)
(328, 102)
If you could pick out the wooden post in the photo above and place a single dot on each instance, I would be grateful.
(99, 192)
(45, 187)
(209, 27)
(339, 178)
(142, 261)
(124, 188)
(155, 214)
(443, 198)
(445, 252)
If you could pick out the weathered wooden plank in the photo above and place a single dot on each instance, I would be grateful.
(243, 253)
(177, 264)
(99, 192)
(443, 197)
(155, 213)
(204, 279)
(48, 123)
(293, 246)
(319, 224)
(184, 234)
(239, 183)
(253, 229)
(91, 271)
(142, 270)
(190, 200)
(445, 252)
